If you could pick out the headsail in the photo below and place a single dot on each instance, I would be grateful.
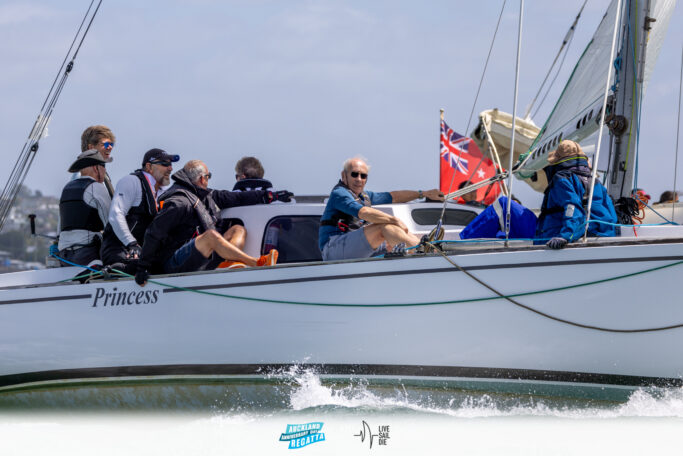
(577, 112)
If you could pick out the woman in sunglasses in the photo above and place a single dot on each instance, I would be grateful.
(351, 228)
(101, 139)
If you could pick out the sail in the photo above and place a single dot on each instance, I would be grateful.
(580, 100)
(577, 112)
(661, 12)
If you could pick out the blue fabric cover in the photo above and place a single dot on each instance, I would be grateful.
(489, 224)
(565, 188)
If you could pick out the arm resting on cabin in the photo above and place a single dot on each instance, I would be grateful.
(403, 196)
(375, 216)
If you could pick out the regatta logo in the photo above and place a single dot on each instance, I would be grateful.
(124, 298)
(301, 435)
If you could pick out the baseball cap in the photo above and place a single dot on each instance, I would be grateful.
(159, 156)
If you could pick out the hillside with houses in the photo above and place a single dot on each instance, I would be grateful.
(19, 250)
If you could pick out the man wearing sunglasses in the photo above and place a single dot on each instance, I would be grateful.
(83, 208)
(101, 139)
(133, 208)
(351, 228)
(188, 233)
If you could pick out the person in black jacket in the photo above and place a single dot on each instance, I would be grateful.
(186, 234)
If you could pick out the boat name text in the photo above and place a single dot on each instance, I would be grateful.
(122, 298)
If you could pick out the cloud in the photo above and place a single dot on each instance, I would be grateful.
(18, 13)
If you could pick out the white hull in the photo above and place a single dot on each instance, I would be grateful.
(370, 324)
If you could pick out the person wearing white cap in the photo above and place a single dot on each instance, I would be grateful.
(83, 210)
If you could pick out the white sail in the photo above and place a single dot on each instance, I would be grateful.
(662, 10)
(576, 113)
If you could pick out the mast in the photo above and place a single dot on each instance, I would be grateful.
(623, 107)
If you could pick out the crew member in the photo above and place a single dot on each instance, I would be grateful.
(187, 235)
(83, 209)
(134, 206)
(563, 211)
(351, 228)
(249, 175)
(102, 139)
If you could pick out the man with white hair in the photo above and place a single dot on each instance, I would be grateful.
(351, 228)
(187, 234)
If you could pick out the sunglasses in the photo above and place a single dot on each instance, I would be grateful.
(208, 175)
(162, 163)
(355, 174)
(108, 145)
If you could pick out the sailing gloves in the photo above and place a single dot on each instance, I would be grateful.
(133, 250)
(557, 243)
(281, 195)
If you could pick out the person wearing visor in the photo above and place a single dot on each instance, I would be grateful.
(188, 234)
(101, 139)
(563, 211)
(133, 208)
(351, 228)
(83, 209)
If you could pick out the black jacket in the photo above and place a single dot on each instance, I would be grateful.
(185, 212)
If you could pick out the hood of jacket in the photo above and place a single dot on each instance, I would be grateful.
(181, 178)
(578, 165)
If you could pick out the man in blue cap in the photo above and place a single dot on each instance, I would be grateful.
(134, 206)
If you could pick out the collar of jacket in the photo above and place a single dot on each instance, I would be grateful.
(181, 178)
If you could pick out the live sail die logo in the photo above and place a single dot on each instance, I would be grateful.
(380, 437)
(301, 435)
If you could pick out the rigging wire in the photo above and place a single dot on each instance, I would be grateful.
(514, 119)
(30, 148)
(474, 104)
(567, 40)
(678, 129)
(552, 83)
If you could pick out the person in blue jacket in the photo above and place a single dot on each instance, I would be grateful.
(563, 212)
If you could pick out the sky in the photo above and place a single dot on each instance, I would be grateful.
(300, 84)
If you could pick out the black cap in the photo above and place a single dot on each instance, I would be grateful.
(158, 156)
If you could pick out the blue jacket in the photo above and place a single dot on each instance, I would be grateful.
(491, 222)
(563, 213)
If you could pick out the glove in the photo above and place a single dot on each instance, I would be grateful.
(134, 250)
(281, 195)
(556, 243)
(141, 276)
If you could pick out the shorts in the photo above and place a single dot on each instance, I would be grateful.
(188, 259)
(350, 245)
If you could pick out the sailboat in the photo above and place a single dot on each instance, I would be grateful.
(491, 315)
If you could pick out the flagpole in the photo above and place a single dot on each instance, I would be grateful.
(514, 118)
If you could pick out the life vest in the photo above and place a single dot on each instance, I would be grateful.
(74, 214)
(252, 184)
(343, 221)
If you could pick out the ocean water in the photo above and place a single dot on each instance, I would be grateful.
(251, 416)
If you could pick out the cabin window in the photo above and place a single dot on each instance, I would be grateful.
(295, 237)
(430, 216)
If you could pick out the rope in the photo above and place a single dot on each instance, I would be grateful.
(562, 320)
(457, 301)
(474, 104)
(30, 148)
(565, 42)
